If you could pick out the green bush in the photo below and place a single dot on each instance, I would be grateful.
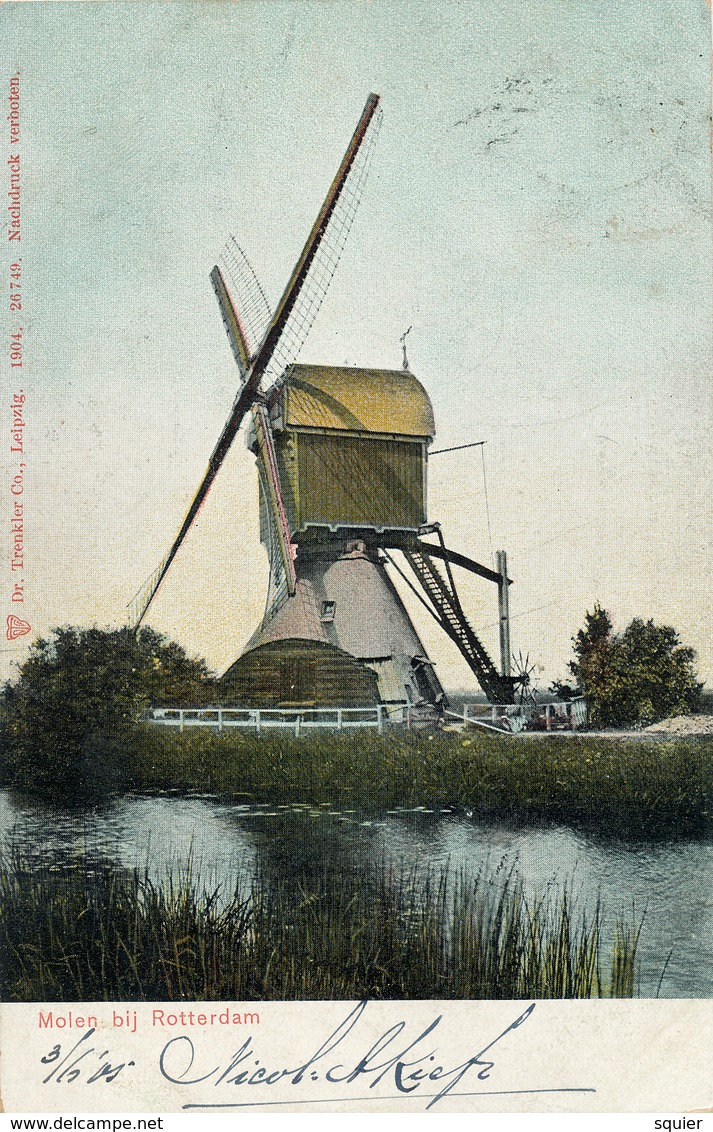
(71, 715)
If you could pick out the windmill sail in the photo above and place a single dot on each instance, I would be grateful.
(235, 330)
(248, 297)
(294, 315)
(243, 304)
(278, 590)
(241, 331)
(266, 449)
(315, 268)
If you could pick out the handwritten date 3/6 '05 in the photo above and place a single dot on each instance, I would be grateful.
(80, 1063)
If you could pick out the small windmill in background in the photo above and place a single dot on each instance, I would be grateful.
(342, 456)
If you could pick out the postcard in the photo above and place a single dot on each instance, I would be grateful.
(356, 725)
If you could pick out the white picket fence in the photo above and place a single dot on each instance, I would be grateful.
(263, 719)
(512, 718)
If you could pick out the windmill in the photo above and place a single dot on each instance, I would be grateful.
(341, 454)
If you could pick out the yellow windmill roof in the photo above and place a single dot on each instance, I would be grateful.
(363, 400)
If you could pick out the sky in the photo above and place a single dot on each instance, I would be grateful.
(538, 211)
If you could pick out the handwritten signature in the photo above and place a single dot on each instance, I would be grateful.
(393, 1058)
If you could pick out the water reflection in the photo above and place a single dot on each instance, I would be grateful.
(227, 844)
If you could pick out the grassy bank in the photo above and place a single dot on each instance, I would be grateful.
(659, 786)
(105, 935)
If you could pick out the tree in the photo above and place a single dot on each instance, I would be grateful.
(72, 711)
(635, 677)
(593, 648)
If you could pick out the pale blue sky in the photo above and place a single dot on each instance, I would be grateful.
(538, 209)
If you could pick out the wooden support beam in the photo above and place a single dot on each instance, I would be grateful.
(462, 560)
(503, 612)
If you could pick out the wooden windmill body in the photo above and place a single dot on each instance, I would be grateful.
(351, 448)
(342, 456)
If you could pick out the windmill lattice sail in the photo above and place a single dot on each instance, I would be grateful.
(293, 317)
(243, 302)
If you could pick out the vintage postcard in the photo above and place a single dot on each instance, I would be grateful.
(356, 722)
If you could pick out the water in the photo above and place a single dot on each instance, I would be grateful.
(668, 882)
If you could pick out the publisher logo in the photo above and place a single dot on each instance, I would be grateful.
(16, 627)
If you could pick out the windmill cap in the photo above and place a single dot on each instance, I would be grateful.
(385, 401)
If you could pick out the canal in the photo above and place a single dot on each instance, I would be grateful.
(665, 882)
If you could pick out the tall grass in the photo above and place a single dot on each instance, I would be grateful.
(384, 934)
(661, 786)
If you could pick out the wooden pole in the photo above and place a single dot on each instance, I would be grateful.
(503, 612)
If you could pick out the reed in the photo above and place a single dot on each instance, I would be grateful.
(102, 934)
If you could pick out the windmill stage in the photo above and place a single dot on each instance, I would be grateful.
(342, 461)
